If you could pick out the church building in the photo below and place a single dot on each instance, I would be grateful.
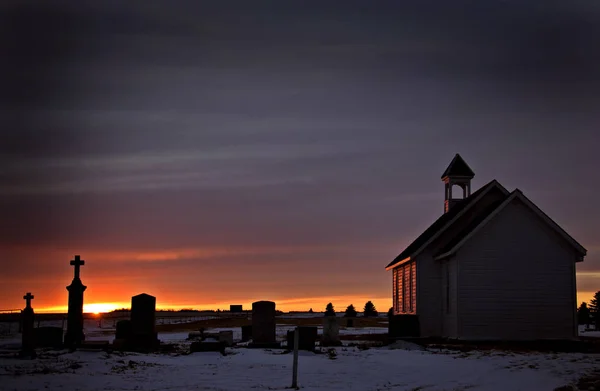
(493, 266)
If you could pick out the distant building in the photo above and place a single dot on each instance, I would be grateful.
(235, 308)
(492, 267)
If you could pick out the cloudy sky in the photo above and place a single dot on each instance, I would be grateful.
(216, 154)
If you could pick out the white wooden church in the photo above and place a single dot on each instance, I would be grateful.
(492, 267)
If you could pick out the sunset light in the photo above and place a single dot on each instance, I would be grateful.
(98, 308)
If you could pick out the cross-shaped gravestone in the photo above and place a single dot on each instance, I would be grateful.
(28, 297)
(77, 263)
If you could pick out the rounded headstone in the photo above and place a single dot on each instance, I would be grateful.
(143, 314)
(263, 322)
(331, 331)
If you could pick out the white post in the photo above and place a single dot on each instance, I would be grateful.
(295, 369)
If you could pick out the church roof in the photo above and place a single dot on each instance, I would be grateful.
(471, 227)
(486, 215)
(445, 221)
(458, 167)
(440, 223)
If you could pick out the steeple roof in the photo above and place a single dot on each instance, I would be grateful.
(458, 167)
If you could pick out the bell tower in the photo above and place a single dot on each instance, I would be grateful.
(458, 174)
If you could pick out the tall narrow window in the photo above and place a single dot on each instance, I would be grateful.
(403, 288)
(395, 290)
(405, 291)
(410, 286)
(400, 289)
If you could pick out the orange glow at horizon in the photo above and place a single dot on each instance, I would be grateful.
(98, 308)
(207, 286)
(296, 304)
(317, 304)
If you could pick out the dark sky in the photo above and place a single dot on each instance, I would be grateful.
(209, 153)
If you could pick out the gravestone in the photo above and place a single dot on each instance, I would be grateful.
(48, 337)
(27, 336)
(331, 332)
(208, 345)
(307, 338)
(236, 308)
(143, 322)
(74, 335)
(225, 336)
(246, 333)
(403, 326)
(123, 329)
(263, 324)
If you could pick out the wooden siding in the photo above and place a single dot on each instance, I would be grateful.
(429, 299)
(450, 298)
(516, 280)
(405, 288)
(430, 291)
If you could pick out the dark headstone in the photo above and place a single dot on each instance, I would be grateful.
(306, 338)
(207, 346)
(143, 322)
(226, 337)
(74, 335)
(246, 333)
(222, 336)
(403, 326)
(27, 331)
(124, 329)
(49, 337)
(236, 308)
(263, 323)
(331, 331)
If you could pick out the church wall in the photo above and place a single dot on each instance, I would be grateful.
(516, 280)
(449, 296)
(429, 297)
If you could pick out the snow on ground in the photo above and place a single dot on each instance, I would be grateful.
(250, 369)
(589, 332)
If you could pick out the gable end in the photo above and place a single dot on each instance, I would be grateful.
(515, 195)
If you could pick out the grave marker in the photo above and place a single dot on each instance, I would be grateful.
(263, 324)
(331, 331)
(27, 337)
(143, 322)
(307, 337)
(74, 336)
(246, 333)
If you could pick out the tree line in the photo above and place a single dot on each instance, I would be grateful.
(369, 310)
(589, 314)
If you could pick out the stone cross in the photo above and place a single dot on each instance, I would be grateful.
(28, 297)
(77, 263)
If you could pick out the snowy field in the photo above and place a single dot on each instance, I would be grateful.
(249, 369)
(343, 368)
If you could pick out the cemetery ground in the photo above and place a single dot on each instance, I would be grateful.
(363, 363)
